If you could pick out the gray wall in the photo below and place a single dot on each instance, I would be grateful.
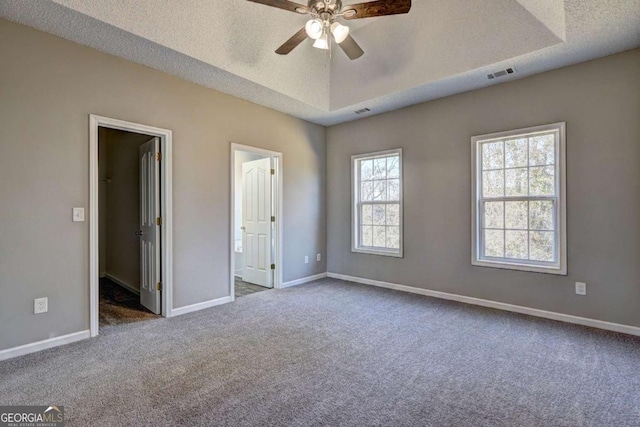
(599, 100)
(48, 88)
(120, 215)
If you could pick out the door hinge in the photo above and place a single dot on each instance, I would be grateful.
(158, 156)
(158, 221)
(273, 171)
(159, 286)
(273, 219)
(273, 266)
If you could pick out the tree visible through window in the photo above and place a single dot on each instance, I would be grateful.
(519, 200)
(377, 222)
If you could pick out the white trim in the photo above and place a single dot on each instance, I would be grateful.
(355, 198)
(279, 213)
(166, 176)
(567, 318)
(560, 267)
(304, 280)
(122, 283)
(44, 344)
(199, 306)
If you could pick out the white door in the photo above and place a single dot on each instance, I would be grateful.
(256, 222)
(149, 226)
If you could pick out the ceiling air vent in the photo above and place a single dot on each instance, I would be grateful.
(501, 73)
(363, 110)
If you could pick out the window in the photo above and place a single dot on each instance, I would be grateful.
(519, 213)
(377, 203)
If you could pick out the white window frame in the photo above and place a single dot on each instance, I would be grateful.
(560, 265)
(355, 203)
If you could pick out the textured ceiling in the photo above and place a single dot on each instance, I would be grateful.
(438, 49)
(435, 48)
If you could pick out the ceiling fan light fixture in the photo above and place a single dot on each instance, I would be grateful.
(322, 42)
(314, 28)
(339, 31)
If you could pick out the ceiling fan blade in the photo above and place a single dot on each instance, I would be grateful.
(284, 4)
(376, 8)
(351, 48)
(293, 42)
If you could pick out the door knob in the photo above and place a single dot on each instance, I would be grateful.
(139, 233)
(243, 228)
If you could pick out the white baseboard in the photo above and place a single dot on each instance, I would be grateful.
(43, 345)
(303, 280)
(122, 283)
(568, 318)
(199, 306)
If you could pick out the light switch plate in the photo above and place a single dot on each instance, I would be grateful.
(78, 214)
(581, 288)
(318, 257)
(306, 259)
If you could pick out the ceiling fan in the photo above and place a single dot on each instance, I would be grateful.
(323, 25)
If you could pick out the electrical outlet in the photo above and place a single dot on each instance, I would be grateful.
(318, 257)
(40, 305)
(581, 288)
(306, 259)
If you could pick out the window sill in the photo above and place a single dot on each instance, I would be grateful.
(378, 252)
(558, 270)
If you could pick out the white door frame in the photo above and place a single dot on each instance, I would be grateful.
(277, 283)
(166, 207)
